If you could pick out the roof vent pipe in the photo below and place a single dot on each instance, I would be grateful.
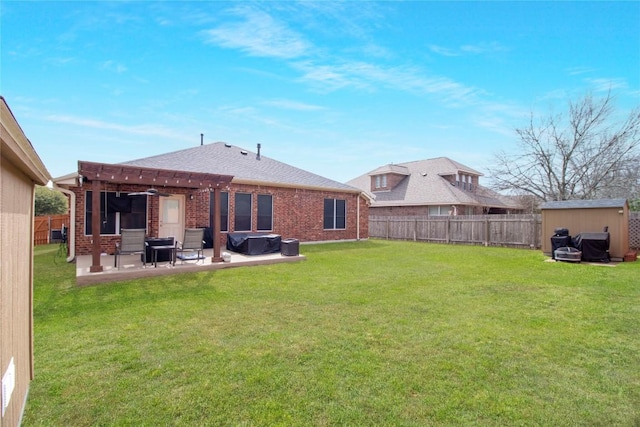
(202, 139)
(258, 156)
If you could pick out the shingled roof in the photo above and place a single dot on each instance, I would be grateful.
(584, 204)
(425, 185)
(245, 166)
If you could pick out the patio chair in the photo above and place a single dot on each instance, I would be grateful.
(193, 242)
(131, 242)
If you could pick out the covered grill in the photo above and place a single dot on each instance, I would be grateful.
(560, 239)
(594, 246)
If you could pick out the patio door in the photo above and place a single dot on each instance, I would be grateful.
(171, 221)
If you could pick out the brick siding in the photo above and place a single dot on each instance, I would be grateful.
(297, 213)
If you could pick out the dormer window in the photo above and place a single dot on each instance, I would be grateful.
(380, 181)
(464, 181)
(388, 177)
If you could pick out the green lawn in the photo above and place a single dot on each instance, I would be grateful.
(360, 334)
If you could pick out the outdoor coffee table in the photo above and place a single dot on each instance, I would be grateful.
(156, 249)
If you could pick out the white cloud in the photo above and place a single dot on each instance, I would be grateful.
(575, 71)
(60, 62)
(367, 76)
(292, 105)
(143, 129)
(258, 34)
(113, 66)
(482, 48)
(605, 85)
(440, 50)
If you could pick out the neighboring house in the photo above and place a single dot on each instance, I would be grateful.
(20, 170)
(432, 187)
(256, 194)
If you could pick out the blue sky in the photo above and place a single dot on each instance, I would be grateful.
(336, 88)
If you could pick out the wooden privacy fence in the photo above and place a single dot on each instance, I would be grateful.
(488, 230)
(45, 228)
(495, 230)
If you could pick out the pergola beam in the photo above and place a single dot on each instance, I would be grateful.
(124, 174)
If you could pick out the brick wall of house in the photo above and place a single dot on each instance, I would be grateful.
(399, 211)
(297, 213)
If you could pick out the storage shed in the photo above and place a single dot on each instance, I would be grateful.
(20, 170)
(588, 216)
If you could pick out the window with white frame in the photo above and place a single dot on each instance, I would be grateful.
(335, 214)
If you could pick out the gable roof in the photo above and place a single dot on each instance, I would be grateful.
(585, 204)
(245, 166)
(425, 185)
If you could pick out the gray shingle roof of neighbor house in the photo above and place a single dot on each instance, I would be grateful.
(245, 166)
(424, 185)
(584, 204)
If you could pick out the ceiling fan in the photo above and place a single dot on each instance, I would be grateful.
(149, 192)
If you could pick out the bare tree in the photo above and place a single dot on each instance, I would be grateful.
(583, 156)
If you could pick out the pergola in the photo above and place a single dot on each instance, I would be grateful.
(100, 173)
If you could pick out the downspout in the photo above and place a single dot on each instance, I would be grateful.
(358, 218)
(71, 233)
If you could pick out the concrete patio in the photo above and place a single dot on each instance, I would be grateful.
(131, 266)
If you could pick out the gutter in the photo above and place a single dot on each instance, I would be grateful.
(368, 199)
(245, 181)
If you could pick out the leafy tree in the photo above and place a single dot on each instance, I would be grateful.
(50, 202)
(584, 154)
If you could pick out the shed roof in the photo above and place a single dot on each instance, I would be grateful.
(584, 204)
(16, 147)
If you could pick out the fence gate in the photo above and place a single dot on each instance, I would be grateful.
(46, 227)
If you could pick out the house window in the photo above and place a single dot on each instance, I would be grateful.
(242, 219)
(265, 212)
(224, 210)
(335, 214)
(381, 181)
(440, 210)
(117, 210)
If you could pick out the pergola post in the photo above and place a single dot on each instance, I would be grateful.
(216, 226)
(96, 267)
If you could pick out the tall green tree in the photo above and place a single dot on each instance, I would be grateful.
(586, 153)
(50, 202)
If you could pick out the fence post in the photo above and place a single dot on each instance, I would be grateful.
(387, 231)
(534, 231)
(448, 232)
(487, 232)
(415, 229)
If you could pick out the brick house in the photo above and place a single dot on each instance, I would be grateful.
(169, 192)
(432, 187)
